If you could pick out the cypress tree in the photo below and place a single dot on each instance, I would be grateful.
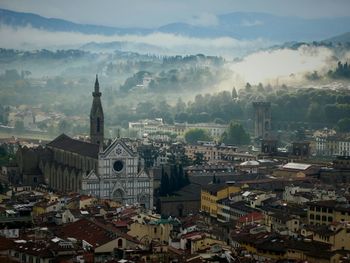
(187, 180)
(164, 183)
(182, 178)
(175, 183)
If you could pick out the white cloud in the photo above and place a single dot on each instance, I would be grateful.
(31, 38)
(283, 64)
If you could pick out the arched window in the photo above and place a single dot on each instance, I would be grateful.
(98, 124)
(120, 243)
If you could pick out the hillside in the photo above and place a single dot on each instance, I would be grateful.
(238, 25)
(343, 38)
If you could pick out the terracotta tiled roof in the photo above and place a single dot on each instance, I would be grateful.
(85, 197)
(66, 143)
(89, 231)
(5, 243)
(121, 223)
(254, 216)
(93, 232)
(175, 250)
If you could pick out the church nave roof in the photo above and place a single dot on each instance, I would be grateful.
(68, 144)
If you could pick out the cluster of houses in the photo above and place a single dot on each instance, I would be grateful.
(306, 221)
(237, 206)
(33, 119)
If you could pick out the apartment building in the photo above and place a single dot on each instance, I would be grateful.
(327, 212)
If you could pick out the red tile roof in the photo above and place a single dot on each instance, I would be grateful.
(251, 217)
(5, 243)
(121, 223)
(89, 231)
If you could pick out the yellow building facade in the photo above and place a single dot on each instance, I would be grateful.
(204, 244)
(154, 230)
(326, 212)
(210, 195)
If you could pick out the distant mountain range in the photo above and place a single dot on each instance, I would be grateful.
(123, 46)
(343, 38)
(19, 19)
(239, 25)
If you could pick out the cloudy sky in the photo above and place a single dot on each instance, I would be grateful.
(151, 13)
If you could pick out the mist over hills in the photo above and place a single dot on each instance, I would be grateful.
(343, 38)
(238, 25)
(19, 19)
(257, 40)
(154, 69)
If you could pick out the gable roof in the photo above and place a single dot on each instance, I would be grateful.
(87, 230)
(66, 143)
(115, 143)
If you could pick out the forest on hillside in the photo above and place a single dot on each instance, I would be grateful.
(180, 89)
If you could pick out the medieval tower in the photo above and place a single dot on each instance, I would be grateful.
(96, 116)
(262, 122)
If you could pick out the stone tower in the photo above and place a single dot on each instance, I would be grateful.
(262, 122)
(96, 116)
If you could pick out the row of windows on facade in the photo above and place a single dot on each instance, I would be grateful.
(318, 217)
(327, 210)
(208, 198)
(321, 209)
(231, 213)
(27, 258)
(205, 208)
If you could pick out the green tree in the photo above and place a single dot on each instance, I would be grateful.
(64, 126)
(313, 76)
(180, 105)
(194, 135)
(260, 87)
(315, 112)
(19, 126)
(183, 177)
(343, 125)
(164, 184)
(235, 134)
(149, 153)
(198, 158)
(175, 183)
(184, 160)
(234, 93)
(248, 87)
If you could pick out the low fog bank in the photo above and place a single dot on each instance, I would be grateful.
(184, 77)
(285, 65)
(29, 38)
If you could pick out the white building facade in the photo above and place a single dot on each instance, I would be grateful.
(120, 177)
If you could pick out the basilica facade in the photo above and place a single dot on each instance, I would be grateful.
(119, 176)
(113, 171)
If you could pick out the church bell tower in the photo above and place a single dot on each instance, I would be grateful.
(96, 116)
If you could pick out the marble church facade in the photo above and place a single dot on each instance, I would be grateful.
(112, 171)
(119, 176)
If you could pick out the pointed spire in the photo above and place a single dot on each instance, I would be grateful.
(97, 85)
